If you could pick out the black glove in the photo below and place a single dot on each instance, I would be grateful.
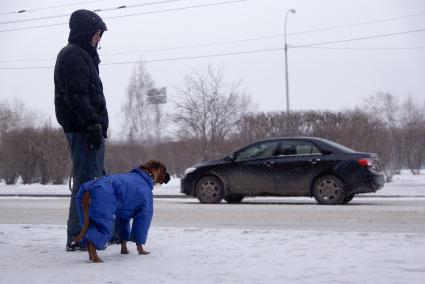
(95, 136)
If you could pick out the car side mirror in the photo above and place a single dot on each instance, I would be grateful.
(231, 157)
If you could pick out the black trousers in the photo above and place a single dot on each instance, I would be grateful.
(87, 164)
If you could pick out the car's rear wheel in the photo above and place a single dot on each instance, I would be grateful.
(329, 190)
(348, 198)
(234, 198)
(209, 189)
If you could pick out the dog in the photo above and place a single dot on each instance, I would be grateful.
(118, 199)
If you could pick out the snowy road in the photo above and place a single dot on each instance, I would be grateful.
(364, 214)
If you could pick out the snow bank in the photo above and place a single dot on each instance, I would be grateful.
(404, 184)
(171, 188)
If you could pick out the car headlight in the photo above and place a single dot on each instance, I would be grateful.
(189, 170)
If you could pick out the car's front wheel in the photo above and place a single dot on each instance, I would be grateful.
(234, 198)
(209, 189)
(329, 190)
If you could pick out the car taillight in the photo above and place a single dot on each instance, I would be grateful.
(365, 162)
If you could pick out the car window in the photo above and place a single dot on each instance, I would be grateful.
(288, 148)
(258, 151)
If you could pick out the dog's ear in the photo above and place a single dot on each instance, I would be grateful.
(156, 164)
(167, 178)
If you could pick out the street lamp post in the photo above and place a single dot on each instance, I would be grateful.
(292, 11)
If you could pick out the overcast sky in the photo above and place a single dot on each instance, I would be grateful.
(325, 78)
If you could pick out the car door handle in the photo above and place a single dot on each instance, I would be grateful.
(268, 164)
(314, 161)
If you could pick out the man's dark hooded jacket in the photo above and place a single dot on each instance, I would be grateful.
(79, 99)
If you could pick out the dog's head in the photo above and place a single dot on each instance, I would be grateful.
(157, 170)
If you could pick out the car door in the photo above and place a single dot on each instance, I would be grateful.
(297, 163)
(249, 172)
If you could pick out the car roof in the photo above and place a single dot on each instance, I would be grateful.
(329, 144)
(292, 138)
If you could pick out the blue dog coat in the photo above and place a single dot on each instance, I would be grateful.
(118, 198)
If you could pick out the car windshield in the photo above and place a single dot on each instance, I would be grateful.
(339, 146)
(261, 150)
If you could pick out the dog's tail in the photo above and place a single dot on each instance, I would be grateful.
(85, 203)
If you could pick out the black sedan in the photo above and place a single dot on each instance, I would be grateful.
(299, 166)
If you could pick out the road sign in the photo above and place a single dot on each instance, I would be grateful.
(157, 96)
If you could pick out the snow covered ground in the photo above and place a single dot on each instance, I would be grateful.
(405, 184)
(171, 188)
(35, 253)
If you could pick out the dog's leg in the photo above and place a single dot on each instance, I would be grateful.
(93, 253)
(141, 251)
(89, 250)
(124, 249)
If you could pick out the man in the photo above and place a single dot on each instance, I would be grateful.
(80, 106)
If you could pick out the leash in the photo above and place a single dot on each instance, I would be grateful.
(71, 177)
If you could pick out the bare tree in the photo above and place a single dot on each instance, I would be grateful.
(386, 108)
(138, 117)
(208, 109)
(15, 115)
(53, 161)
(123, 156)
(13, 118)
(262, 125)
(413, 127)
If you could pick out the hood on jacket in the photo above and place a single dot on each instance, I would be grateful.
(83, 25)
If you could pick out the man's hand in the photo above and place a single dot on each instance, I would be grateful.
(141, 251)
(95, 136)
